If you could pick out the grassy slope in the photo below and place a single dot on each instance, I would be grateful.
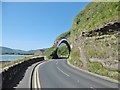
(93, 17)
(63, 35)
(49, 51)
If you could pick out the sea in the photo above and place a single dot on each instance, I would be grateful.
(10, 57)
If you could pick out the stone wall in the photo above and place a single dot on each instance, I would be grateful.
(11, 76)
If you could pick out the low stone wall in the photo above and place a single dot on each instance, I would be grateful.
(12, 75)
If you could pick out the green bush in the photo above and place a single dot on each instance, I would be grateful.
(63, 51)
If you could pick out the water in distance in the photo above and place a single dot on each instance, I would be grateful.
(10, 57)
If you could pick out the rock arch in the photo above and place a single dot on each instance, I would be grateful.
(65, 41)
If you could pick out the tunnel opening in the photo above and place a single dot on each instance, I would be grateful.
(64, 46)
(62, 51)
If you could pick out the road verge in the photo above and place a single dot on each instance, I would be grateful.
(96, 75)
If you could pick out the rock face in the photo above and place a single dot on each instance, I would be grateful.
(94, 34)
(56, 42)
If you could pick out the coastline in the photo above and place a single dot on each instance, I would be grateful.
(14, 55)
(2, 60)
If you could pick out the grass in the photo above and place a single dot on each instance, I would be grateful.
(96, 67)
(63, 35)
(75, 58)
(95, 15)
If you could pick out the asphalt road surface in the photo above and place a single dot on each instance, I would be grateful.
(58, 74)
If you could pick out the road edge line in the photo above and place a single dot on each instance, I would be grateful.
(99, 76)
(38, 78)
(38, 82)
(34, 80)
(32, 75)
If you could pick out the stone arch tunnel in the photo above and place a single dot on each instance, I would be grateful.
(65, 41)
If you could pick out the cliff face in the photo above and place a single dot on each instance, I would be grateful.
(94, 39)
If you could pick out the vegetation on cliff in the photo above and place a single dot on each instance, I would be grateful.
(49, 52)
(95, 16)
(63, 35)
(94, 35)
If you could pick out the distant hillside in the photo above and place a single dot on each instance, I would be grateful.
(6, 50)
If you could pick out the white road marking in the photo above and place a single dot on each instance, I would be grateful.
(56, 63)
(35, 86)
(36, 76)
(92, 88)
(38, 82)
(63, 72)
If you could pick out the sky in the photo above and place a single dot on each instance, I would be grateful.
(30, 25)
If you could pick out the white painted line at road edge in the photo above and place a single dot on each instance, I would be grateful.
(35, 85)
(92, 88)
(38, 82)
(63, 72)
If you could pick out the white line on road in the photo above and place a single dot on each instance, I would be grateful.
(38, 82)
(35, 86)
(92, 88)
(36, 78)
(63, 72)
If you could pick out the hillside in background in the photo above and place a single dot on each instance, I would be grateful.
(6, 50)
(94, 39)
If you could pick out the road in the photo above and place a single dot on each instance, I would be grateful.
(58, 74)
